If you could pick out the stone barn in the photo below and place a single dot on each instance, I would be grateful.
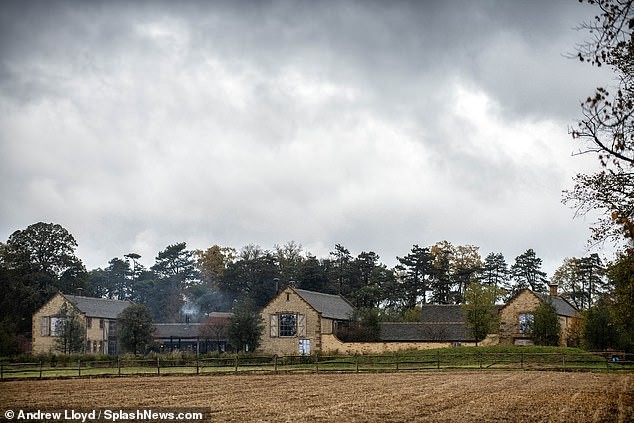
(97, 315)
(517, 314)
(296, 319)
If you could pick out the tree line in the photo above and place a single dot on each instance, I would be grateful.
(189, 284)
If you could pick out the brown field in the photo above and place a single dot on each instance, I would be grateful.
(405, 397)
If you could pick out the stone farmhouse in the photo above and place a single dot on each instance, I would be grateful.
(517, 314)
(98, 316)
(303, 322)
(297, 321)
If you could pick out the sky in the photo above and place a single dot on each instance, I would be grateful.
(374, 125)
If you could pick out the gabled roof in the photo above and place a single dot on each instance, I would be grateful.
(98, 307)
(425, 332)
(330, 306)
(562, 307)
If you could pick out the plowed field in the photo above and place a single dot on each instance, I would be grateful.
(404, 397)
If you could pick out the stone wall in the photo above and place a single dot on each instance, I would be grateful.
(43, 344)
(289, 302)
(332, 345)
(524, 302)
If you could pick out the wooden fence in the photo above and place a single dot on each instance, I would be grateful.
(244, 364)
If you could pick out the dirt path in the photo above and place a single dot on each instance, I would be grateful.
(405, 397)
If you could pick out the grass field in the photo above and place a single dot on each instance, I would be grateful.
(464, 396)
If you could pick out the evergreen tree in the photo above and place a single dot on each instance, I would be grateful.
(526, 273)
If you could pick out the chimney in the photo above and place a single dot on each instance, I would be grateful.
(554, 287)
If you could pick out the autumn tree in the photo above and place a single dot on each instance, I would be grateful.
(441, 284)
(607, 126)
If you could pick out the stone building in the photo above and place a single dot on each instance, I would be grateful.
(517, 314)
(296, 319)
(97, 315)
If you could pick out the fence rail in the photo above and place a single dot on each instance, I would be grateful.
(244, 364)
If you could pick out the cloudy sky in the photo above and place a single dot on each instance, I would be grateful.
(375, 125)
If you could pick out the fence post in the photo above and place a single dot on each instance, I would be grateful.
(437, 360)
(396, 360)
(275, 364)
(236, 368)
(40, 369)
(522, 360)
(563, 361)
(158, 366)
(356, 361)
(317, 362)
(118, 366)
(197, 366)
(79, 368)
(480, 359)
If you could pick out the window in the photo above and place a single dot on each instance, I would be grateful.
(100, 323)
(526, 322)
(45, 326)
(57, 325)
(88, 322)
(288, 324)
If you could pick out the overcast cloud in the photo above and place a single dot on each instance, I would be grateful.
(376, 125)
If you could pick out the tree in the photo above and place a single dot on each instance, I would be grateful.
(69, 331)
(495, 271)
(607, 126)
(340, 268)
(621, 298)
(252, 276)
(545, 327)
(581, 280)
(213, 262)
(479, 309)
(135, 330)
(526, 273)
(42, 248)
(442, 281)
(416, 270)
(289, 259)
(177, 263)
(599, 332)
(245, 327)
(34, 264)
(465, 266)
(176, 271)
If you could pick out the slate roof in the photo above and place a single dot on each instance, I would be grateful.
(562, 307)
(98, 307)
(425, 332)
(330, 306)
(176, 330)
